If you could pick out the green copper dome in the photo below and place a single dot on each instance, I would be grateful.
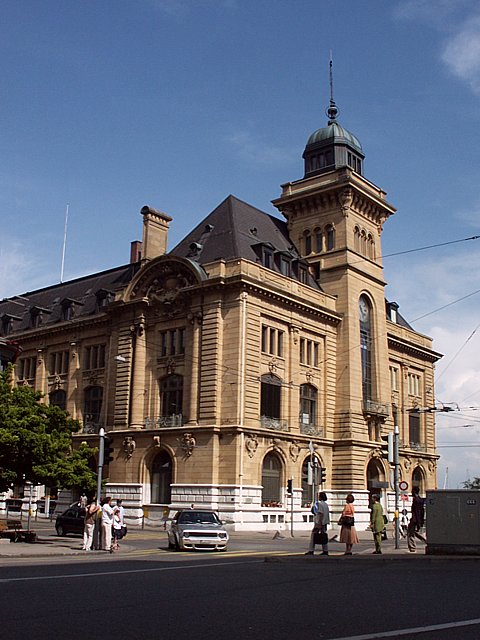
(336, 133)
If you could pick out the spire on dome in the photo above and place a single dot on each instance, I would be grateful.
(332, 110)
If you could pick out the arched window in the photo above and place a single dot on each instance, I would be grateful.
(356, 239)
(330, 237)
(364, 307)
(171, 396)
(370, 247)
(161, 479)
(307, 239)
(418, 480)
(58, 399)
(271, 480)
(92, 408)
(375, 477)
(318, 241)
(270, 398)
(308, 407)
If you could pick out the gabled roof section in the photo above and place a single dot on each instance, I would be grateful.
(236, 229)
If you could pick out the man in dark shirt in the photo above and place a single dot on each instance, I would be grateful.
(416, 521)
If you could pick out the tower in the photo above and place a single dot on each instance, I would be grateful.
(335, 216)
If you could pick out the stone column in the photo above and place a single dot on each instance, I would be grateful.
(137, 389)
(196, 320)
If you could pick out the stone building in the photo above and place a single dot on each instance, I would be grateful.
(221, 368)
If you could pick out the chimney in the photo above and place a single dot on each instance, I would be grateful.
(155, 232)
(135, 251)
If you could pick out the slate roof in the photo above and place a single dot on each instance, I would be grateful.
(236, 229)
(81, 291)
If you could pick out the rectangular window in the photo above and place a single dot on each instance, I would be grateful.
(285, 266)
(414, 429)
(267, 258)
(394, 378)
(94, 357)
(413, 384)
(272, 341)
(27, 368)
(59, 362)
(302, 275)
(309, 352)
(172, 342)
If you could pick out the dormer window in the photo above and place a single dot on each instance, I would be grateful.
(69, 307)
(8, 323)
(285, 266)
(267, 257)
(104, 298)
(37, 316)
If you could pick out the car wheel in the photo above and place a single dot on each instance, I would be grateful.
(60, 530)
(171, 545)
(177, 544)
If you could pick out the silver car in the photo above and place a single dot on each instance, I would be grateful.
(196, 529)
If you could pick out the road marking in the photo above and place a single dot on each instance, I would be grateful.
(125, 571)
(406, 632)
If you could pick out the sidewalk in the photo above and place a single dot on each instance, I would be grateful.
(50, 545)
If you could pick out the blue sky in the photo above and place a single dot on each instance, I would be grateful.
(110, 105)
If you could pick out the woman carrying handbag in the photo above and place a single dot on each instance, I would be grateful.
(348, 533)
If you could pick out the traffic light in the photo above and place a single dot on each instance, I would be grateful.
(323, 475)
(290, 486)
(389, 439)
(107, 450)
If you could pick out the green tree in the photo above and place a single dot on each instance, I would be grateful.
(472, 484)
(36, 442)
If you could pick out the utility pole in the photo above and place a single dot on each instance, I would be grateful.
(101, 447)
(396, 465)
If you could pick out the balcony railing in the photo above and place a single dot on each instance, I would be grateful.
(164, 422)
(273, 423)
(376, 408)
(414, 446)
(311, 430)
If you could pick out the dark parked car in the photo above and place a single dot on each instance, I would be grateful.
(70, 521)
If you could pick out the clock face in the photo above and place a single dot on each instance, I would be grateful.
(363, 310)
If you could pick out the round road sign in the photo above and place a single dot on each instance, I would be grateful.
(403, 485)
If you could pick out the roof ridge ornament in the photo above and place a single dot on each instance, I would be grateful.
(332, 111)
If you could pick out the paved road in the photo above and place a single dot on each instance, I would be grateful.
(218, 595)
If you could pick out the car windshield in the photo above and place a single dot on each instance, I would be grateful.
(198, 517)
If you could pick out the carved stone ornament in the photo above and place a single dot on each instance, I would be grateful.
(277, 444)
(376, 454)
(163, 283)
(309, 376)
(129, 446)
(345, 197)
(170, 366)
(273, 365)
(156, 441)
(251, 445)
(187, 443)
(56, 383)
(294, 451)
(407, 463)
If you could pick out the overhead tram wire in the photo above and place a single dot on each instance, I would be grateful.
(431, 246)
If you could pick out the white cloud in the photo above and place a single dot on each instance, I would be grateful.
(459, 22)
(21, 268)
(421, 285)
(461, 53)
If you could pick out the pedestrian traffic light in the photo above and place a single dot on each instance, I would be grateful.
(323, 475)
(107, 450)
(290, 486)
